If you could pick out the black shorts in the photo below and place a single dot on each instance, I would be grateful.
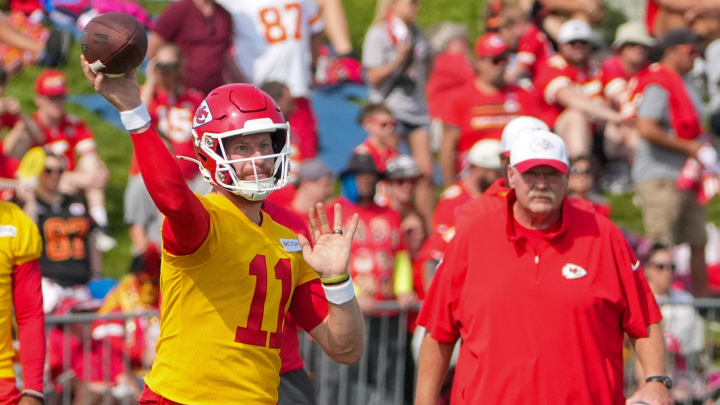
(296, 389)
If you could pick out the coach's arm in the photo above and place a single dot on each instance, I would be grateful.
(432, 367)
(650, 352)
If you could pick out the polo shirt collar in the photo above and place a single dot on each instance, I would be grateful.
(565, 218)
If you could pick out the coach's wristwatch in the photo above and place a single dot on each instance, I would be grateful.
(663, 379)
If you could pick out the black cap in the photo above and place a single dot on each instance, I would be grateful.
(361, 163)
(679, 36)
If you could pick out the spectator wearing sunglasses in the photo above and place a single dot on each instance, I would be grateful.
(482, 108)
(567, 90)
(581, 184)
(382, 140)
(172, 104)
(69, 259)
(631, 50)
(683, 326)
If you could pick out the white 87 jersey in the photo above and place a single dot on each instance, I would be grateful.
(272, 40)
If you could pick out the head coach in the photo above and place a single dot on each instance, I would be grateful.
(541, 299)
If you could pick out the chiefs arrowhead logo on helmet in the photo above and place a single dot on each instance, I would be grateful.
(203, 115)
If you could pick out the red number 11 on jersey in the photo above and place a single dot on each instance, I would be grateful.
(252, 334)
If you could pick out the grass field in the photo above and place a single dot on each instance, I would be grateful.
(115, 148)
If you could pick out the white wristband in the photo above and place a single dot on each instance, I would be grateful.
(340, 293)
(136, 118)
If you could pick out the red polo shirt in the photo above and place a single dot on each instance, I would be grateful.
(541, 323)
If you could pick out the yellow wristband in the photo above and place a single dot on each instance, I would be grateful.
(335, 280)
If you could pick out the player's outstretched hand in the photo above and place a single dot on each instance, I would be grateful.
(123, 92)
(330, 254)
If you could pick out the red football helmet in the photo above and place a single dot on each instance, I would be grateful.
(237, 110)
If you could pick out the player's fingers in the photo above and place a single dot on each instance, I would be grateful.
(304, 244)
(322, 218)
(337, 218)
(86, 69)
(313, 224)
(350, 232)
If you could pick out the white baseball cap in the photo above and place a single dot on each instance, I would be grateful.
(539, 148)
(575, 30)
(402, 167)
(517, 126)
(486, 154)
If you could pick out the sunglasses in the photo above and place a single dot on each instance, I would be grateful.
(401, 181)
(663, 266)
(48, 170)
(577, 170)
(389, 124)
(168, 67)
(579, 42)
(500, 59)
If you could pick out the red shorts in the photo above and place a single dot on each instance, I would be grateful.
(9, 394)
(304, 127)
(148, 397)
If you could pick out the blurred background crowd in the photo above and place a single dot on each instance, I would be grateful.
(399, 116)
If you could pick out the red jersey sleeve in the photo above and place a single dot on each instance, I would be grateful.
(309, 306)
(28, 303)
(437, 312)
(187, 222)
(552, 77)
(83, 140)
(640, 310)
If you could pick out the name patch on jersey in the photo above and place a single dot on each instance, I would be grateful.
(291, 245)
(8, 230)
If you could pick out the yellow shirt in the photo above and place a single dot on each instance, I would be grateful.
(222, 307)
(20, 243)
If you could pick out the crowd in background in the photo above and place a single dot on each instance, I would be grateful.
(633, 114)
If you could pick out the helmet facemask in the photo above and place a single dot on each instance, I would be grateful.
(225, 175)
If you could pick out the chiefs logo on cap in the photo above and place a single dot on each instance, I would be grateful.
(539, 144)
(203, 115)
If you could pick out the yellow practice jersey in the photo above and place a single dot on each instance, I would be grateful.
(20, 243)
(223, 308)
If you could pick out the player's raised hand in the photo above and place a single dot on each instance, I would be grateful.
(123, 91)
(330, 254)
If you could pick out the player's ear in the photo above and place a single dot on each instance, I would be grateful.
(512, 176)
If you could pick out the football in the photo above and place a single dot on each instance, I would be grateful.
(114, 43)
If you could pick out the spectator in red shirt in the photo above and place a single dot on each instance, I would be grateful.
(68, 136)
(451, 71)
(402, 174)
(531, 45)
(203, 30)
(485, 168)
(380, 266)
(172, 104)
(581, 184)
(382, 141)
(482, 108)
(631, 47)
(574, 286)
(567, 90)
